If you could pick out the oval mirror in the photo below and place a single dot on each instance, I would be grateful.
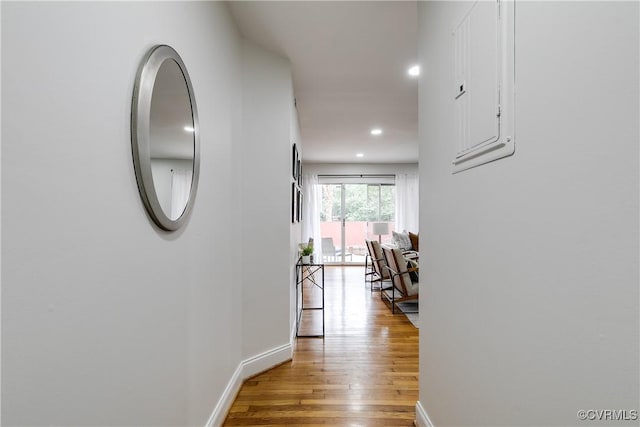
(165, 137)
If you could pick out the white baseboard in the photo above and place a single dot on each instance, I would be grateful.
(422, 418)
(226, 400)
(246, 369)
(292, 338)
(266, 360)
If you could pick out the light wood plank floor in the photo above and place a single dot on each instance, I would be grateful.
(363, 373)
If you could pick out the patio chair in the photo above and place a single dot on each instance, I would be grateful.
(330, 252)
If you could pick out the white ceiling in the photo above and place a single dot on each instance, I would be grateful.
(349, 61)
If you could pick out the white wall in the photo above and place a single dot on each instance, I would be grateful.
(266, 230)
(107, 320)
(529, 309)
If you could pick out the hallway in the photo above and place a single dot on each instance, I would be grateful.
(363, 373)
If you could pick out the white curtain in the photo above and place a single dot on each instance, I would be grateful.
(311, 212)
(407, 203)
(180, 189)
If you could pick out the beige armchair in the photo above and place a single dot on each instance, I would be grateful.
(380, 273)
(403, 289)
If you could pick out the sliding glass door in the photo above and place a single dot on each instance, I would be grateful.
(350, 214)
(331, 222)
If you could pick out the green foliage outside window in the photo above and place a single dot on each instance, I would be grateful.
(363, 202)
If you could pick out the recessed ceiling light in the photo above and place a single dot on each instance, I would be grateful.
(189, 129)
(414, 71)
(359, 155)
(376, 131)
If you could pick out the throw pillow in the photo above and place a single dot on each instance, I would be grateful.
(414, 241)
(402, 240)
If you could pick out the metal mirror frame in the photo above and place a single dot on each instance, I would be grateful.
(141, 140)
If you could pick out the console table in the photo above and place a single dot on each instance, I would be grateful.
(308, 275)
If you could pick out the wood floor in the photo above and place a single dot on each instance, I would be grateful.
(363, 373)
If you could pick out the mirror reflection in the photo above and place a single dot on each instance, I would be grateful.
(171, 133)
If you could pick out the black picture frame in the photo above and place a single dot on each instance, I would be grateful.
(294, 204)
(299, 207)
(294, 162)
(299, 173)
